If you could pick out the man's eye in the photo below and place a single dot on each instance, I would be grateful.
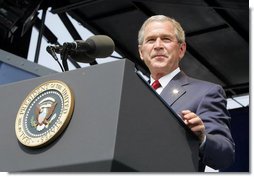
(150, 40)
(167, 39)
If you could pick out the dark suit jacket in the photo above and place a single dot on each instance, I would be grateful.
(208, 101)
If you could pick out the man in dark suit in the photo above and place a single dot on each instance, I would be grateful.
(201, 104)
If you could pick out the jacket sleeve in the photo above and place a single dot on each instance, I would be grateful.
(219, 149)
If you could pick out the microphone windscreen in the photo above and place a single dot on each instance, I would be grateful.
(81, 57)
(101, 46)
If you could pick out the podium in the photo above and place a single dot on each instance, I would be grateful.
(119, 124)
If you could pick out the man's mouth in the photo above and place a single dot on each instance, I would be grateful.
(159, 56)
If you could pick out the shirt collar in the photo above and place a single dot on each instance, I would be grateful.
(167, 78)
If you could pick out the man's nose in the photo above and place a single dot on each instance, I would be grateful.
(158, 43)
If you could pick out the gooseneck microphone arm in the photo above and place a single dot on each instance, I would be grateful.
(64, 56)
(51, 51)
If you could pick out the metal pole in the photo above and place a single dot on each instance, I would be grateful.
(37, 52)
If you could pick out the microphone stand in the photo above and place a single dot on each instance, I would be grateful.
(64, 52)
(64, 55)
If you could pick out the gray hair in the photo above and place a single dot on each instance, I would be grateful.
(179, 32)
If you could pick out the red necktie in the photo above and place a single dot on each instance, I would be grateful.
(156, 84)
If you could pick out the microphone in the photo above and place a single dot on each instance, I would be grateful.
(51, 50)
(98, 46)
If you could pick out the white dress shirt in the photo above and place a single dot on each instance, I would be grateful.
(165, 80)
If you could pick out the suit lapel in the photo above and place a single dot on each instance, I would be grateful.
(175, 90)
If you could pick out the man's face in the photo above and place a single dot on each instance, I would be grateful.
(160, 49)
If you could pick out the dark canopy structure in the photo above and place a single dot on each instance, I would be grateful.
(217, 32)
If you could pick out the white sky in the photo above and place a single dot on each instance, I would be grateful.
(54, 23)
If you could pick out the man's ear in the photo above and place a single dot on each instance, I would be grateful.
(182, 50)
(140, 51)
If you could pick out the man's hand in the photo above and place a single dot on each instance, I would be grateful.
(194, 123)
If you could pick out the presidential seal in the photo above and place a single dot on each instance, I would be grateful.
(44, 114)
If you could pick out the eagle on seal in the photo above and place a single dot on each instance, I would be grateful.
(43, 111)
